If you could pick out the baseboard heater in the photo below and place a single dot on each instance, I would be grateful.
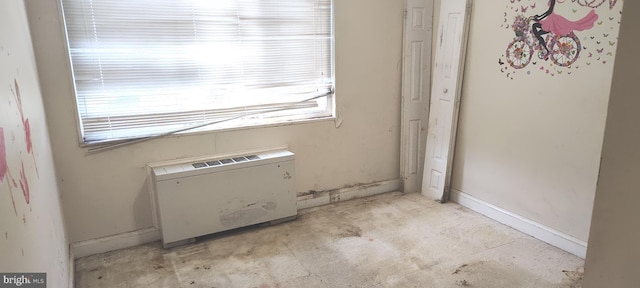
(219, 194)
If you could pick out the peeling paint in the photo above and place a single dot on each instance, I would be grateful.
(270, 205)
(250, 214)
(242, 217)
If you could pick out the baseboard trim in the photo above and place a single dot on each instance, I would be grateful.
(114, 242)
(319, 198)
(524, 225)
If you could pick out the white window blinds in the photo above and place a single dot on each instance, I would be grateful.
(146, 67)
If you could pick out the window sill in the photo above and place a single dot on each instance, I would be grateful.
(201, 131)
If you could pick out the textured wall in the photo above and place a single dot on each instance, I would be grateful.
(529, 139)
(32, 233)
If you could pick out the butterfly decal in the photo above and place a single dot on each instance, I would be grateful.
(612, 3)
(600, 50)
(524, 9)
(605, 35)
(612, 43)
(599, 22)
(500, 62)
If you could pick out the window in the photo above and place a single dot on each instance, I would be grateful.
(150, 67)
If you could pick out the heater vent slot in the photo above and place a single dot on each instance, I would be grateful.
(217, 162)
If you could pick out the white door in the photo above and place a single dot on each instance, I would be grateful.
(445, 97)
(416, 86)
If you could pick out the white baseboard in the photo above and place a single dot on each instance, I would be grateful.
(524, 225)
(344, 194)
(114, 242)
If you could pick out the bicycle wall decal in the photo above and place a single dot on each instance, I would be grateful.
(549, 38)
(563, 50)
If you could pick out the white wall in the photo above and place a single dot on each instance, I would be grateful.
(105, 194)
(531, 145)
(612, 257)
(32, 233)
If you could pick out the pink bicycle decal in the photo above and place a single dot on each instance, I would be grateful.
(564, 50)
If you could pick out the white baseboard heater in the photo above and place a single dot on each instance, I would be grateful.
(219, 194)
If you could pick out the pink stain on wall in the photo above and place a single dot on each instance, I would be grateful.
(27, 131)
(3, 156)
(24, 184)
(25, 122)
(25, 125)
(4, 169)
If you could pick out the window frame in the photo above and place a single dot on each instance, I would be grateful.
(330, 113)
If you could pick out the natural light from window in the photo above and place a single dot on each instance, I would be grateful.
(145, 68)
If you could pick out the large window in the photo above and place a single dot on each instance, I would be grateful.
(150, 67)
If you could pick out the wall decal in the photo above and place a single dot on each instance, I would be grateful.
(24, 184)
(25, 124)
(553, 39)
(3, 156)
(4, 169)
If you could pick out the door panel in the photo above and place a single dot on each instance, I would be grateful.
(416, 86)
(445, 98)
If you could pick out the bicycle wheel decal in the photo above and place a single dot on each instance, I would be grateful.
(519, 54)
(565, 50)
